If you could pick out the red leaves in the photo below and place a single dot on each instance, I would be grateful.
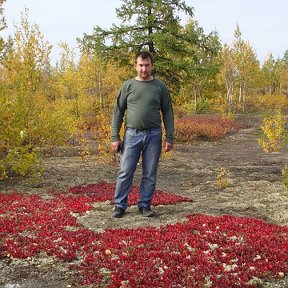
(223, 251)
(208, 127)
(102, 192)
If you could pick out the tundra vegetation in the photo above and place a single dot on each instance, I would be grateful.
(45, 107)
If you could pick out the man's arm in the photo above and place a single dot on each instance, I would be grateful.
(117, 119)
(116, 146)
(168, 118)
(168, 147)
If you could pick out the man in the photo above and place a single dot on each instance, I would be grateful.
(142, 99)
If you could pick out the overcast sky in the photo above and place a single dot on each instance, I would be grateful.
(263, 23)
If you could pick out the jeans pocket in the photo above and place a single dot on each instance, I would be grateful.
(130, 136)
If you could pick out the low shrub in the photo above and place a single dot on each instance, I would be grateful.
(285, 176)
(269, 102)
(223, 178)
(205, 127)
(272, 132)
(22, 161)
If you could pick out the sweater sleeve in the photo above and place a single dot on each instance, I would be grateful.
(167, 115)
(118, 114)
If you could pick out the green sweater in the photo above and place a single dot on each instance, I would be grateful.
(142, 101)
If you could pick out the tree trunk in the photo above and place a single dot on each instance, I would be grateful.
(99, 88)
(150, 31)
(244, 100)
(229, 94)
(195, 99)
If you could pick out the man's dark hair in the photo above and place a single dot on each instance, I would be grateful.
(144, 55)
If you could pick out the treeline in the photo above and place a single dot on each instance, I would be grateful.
(42, 105)
(202, 74)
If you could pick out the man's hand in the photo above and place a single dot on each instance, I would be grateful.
(168, 147)
(116, 146)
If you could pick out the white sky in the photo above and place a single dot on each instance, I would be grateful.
(262, 22)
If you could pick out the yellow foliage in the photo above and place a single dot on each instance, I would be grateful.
(230, 116)
(272, 132)
(3, 172)
(84, 151)
(218, 105)
(223, 178)
(285, 175)
(269, 102)
(102, 135)
(23, 161)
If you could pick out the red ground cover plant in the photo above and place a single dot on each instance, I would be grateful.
(105, 192)
(203, 251)
(188, 129)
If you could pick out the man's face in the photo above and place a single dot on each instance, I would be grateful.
(144, 68)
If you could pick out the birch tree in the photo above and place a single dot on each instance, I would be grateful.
(229, 74)
(271, 71)
(247, 66)
(200, 81)
(240, 70)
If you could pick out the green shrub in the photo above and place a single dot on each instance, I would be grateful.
(3, 173)
(22, 161)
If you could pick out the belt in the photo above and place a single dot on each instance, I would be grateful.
(143, 130)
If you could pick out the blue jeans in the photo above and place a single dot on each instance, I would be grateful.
(137, 142)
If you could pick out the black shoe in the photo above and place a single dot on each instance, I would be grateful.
(118, 212)
(146, 212)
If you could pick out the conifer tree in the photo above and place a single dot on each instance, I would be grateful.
(2, 26)
(152, 25)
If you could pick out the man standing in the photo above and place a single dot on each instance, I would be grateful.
(143, 99)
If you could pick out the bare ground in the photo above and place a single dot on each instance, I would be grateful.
(256, 191)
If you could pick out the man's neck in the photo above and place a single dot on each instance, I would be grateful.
(144, 79)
